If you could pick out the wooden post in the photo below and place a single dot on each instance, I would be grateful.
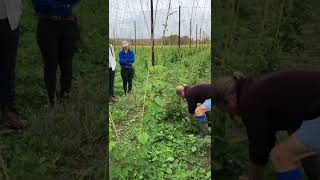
(200, 39)
(190, 33)
(135, 37)
(196, 35)
(179, 25)
(203, 38)
(152, 35)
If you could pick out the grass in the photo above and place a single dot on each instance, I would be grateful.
(250, 52)
(149, 139)
(68, 141)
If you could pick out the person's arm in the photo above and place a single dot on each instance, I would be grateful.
(131, 57)
(191, 106)
(110, 57)
(114, 57)
(121, 58)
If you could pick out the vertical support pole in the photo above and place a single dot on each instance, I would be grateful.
(196, 35)
(190, 33)
(179, 26)
(152, 35)
(135, 37)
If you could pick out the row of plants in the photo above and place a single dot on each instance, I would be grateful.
(152, 140)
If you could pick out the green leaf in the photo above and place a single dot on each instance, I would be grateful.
(143, 137)
(170, 159)
(169, 171)
(111, 145)
(193, 149)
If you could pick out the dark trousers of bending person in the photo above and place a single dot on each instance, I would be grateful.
(127, 74)
(57, 42)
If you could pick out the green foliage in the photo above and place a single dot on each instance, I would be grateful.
(154, 141)
(256, 37)
(67, 142)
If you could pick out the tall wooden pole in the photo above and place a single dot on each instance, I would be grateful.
(152, 35)
(190, 33)
(135, 37)
(179, 24)
(200, 39)
(203, 37)
(196, 35)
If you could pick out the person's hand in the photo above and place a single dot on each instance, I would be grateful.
(189, 119)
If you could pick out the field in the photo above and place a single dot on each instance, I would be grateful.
(148, 138)
(255, 38)
(68, 141)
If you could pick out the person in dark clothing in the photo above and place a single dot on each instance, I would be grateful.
(194, 94)
(9, 36)
(126, 57)
(57, 37)
(286, 100)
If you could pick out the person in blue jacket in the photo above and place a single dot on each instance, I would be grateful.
(126, 57)
(57, 37)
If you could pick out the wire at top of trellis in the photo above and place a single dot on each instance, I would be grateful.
(120, 22)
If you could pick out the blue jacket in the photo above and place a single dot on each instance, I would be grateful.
(126, 59)
(54, 7)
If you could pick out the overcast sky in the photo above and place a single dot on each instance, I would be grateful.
(123, 13)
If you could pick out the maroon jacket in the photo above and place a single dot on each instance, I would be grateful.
(197, 93)
(280, 100)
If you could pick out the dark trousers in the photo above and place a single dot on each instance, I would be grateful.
(57, 43)
(127, 76)
(8, 53)
(111, 82)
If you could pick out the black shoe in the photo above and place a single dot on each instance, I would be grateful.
(112, 99)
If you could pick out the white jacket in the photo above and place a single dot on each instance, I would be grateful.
(112, 58)
(13, 12)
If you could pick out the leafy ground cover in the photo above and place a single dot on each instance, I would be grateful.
(68, 141)
(148, 137)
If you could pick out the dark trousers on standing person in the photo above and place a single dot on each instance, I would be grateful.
(127, 76)
(111, 82)
(8, 53)
(57, 42)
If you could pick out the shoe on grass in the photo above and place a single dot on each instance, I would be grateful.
(112, 99)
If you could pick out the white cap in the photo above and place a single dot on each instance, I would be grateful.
(125, 43)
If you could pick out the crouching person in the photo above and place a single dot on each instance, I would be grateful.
(194, 94)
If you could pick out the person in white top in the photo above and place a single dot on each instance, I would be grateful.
(10, 11)
(112, 68)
